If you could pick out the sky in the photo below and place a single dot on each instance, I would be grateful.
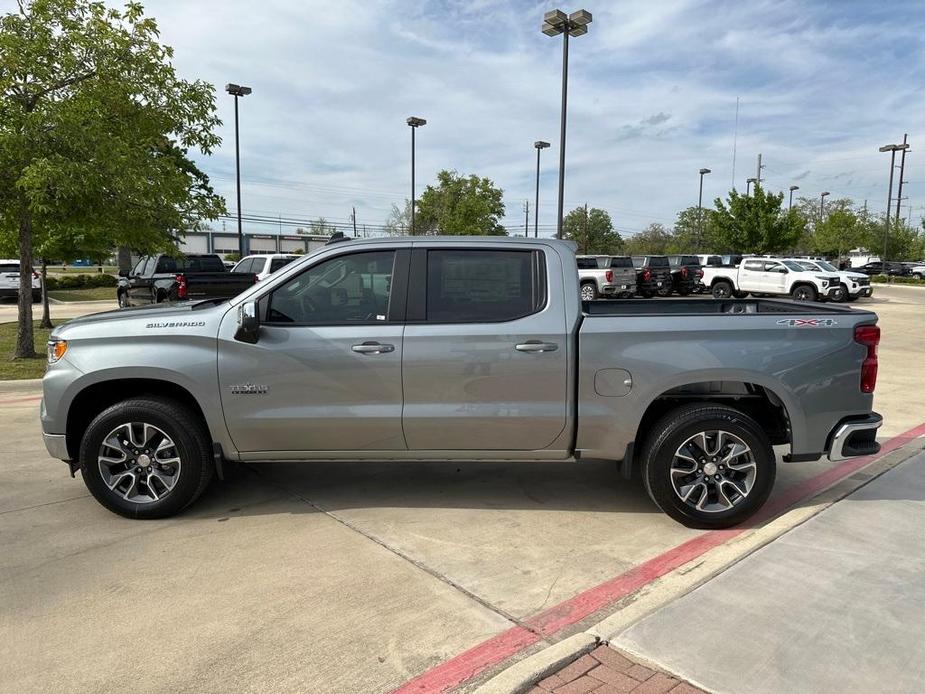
(652, 99)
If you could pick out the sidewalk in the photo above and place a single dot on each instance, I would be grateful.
(837, 604)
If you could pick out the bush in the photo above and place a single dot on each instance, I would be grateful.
(883, 279)
(81, 281)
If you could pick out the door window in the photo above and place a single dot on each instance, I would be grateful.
(149, 265)
(754, 265)
(483, 286)
(349, 289)
(278, 263)
(245, 266)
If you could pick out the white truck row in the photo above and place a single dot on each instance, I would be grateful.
(802, 280)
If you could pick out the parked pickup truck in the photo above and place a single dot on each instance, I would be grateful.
(770, 276)
(604, 275)
(653, 275)
(159, 278)
(851, 285)
(429, 348)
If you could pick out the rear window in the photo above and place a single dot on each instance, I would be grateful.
(9, 267)
(690, 260)
(658, 261)
(587, 263)
(483, 286)
(278, 263)
(196, 263)
(621, 262)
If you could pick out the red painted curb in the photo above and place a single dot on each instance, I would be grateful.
(470, 663)
(13, 401)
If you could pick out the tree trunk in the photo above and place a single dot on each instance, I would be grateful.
(25, 341)
(46, 315)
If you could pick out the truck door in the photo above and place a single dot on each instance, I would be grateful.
(752, 277)
(485, 350)
(325, 373)
(139, 285)
(776, 277)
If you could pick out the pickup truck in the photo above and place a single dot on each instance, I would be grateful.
(159, 278)
(607, 276)
(685, 274)
(851, 285)
(653, 275)
(770, 276)
(429, 348)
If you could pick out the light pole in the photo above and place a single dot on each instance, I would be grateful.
(902, 171)
(703, 172)
(236, 90)
(792, 188)
(748, 185)
(556, 22)
(892, 149)
(540, 145)
(822, 204)
(415, 123)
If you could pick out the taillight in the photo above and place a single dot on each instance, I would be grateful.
(684, 273)
(35, 275)
(700, 274)
(869, 336)
(608, 275)
(646, 275)
(181, 286)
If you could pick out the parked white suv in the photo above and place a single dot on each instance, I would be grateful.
(918, 271)
(263, 265)
(852, 286)
(773, 276)
(9, 280)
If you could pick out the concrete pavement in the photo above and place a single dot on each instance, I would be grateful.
(837, 604)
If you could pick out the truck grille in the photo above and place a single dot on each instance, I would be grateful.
(864, 281)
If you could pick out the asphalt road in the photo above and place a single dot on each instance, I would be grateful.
(338, 577)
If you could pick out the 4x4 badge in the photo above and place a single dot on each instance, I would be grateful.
(808, 322)
(249, 389)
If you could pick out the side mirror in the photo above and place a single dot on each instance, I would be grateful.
(248, 324)
(123, 273)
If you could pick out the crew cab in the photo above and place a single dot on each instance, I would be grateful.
(685, 274)
(876, 267)
(429, 348)
(159, 278)
(851, 285)
(653, 275)
(771, 276)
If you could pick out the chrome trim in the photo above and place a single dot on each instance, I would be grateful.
(836, 450)
(56, 445)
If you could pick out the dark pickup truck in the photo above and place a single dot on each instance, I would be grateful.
(159, 278)
(653, 275)
(686, 274)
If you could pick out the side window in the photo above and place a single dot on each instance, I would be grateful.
(773, 267)
(278, 263)
(353, 288)
(483, 286)
(149, 265)
(245, 266)
(139, 266)
(166, 264)
(754, 265)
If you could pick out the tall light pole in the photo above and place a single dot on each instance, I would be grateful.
(892, 149)
(792, 188)
(540, 145)
(415, 123)
(556, 22)
(822, 204)
(748, 185)
(703, 172)
(902, 172)
(236, 90)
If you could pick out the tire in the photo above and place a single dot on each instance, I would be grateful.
(684, 292)
(122, 299)
(646, 293)
(840, 295)
(917, 276)
(664, 291)
(726, 429)
(804, 292)
(588, 291)
(722, 289)
(174, 486)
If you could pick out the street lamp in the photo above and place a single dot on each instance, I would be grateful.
(792, 188)
(703, 172)
(748, 185)
(822, 204)
(892, 149)
(414, 122)
(556, 22)
(540, 145)
(236, 90)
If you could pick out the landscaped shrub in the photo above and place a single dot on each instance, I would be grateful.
(883, 279)
(81, 281)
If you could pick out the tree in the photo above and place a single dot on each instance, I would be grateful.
(460, 205)
(95, 127)
(837, 233)
(653, 240)
(593, 231)
(755, 223)
(693, 231)
(904, 242)
(398, 223)
(320, 227)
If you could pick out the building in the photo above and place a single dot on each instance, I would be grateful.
(224, 242)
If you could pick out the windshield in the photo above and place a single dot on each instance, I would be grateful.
(826, 266)
(796, 267)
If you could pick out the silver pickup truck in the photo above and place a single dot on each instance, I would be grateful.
(458, 349)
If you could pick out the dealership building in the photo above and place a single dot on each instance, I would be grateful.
(224, 242)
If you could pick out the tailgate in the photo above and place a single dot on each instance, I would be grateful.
(210, 285)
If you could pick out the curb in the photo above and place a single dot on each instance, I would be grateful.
(14, 385)
(525, 673)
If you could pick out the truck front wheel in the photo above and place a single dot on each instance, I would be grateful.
(708, 466)
(146, 457)
(804, 292)
(722, 290)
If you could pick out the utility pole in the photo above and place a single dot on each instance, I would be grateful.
(902, 170)
(526, 219)
(758, 178)
(354, 217)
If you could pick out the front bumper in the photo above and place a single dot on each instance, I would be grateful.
(56, 445)
(855, 437)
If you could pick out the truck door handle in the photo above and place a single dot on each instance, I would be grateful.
(536, 346)
(373, 348)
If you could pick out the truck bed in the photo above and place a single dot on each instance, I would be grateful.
(710, 306)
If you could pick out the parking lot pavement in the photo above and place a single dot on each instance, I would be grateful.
(58, 311)
(328, 576)
(834, 605)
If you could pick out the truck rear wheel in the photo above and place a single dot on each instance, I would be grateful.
(146, 457)
(588, 291)
(722, 290)
(708, 466)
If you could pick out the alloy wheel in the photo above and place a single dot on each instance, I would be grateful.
(713, 471)
(139, 462)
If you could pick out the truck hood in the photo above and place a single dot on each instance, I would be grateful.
(153, 313)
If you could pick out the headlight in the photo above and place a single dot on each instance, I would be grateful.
(56, 350)
(825, 282)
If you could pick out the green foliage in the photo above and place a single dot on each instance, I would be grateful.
(593, 231)
(80, 281)
(755, 223)
(460, 205)
(903, 242)
(693, 231)
(95, 128)
(232, 257)
(837, 233)
(884, 279)
(653, 240)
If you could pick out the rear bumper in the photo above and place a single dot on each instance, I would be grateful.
(854, 437)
